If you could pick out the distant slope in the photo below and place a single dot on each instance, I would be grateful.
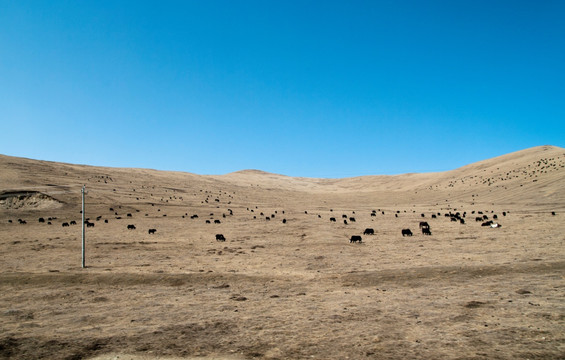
(535, 175)
(531, 176)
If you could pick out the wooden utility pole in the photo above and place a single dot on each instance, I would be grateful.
(83, 252)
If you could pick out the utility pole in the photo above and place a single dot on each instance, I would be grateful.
(83, 254)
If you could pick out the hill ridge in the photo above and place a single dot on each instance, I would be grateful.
(524, 152)
(531, 175)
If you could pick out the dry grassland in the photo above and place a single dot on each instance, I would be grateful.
(274, 290)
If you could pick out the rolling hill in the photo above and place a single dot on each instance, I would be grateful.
(284, 280)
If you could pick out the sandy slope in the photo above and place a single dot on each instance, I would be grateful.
(278, 291)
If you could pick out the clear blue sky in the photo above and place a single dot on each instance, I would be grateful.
(301, 88)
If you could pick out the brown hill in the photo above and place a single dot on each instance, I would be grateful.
(286, 282)
(532, 177)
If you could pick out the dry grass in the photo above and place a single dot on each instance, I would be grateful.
(285, 291)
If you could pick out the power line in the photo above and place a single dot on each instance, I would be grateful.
(45, 189)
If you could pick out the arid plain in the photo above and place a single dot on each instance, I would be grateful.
(292, 289)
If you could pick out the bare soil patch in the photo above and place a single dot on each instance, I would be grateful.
(25, 200)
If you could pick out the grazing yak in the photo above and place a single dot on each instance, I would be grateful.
(220, 237)
(355, 238)
(332, 219)
(152, 231)
(426, 231)
(424, 224)
(406, 232)
(131, 227)
(369, 231)
(65, 224)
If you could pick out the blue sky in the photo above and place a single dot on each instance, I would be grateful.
(301, 88)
